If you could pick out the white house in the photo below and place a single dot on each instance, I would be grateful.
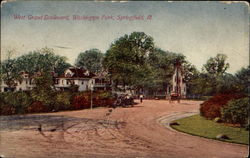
(79, 77)
(26, 83)
(83, 79)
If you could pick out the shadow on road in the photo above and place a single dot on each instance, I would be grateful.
(50, 122)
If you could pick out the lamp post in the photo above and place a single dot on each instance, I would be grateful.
(91, 96)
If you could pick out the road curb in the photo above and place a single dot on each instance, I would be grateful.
(167, 119)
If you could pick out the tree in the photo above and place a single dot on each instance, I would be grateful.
(215, 76)
(242, 79)
(42, 60)
(36, 61)
(9, 71)
(91, 60)
(216, 65)
(43, 91)
(126, 58)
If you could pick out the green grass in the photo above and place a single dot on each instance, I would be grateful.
(197, 125)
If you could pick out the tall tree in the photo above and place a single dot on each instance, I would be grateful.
(216, 65)
(126, 58)
(43, 91)
(9, 70)
(91, 60)
(242, 79)
(42, 60)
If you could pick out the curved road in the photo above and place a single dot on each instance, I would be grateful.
(123, 132)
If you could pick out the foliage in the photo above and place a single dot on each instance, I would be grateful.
(36, 107)
(7, 109)
(81, 101)
(90, 60)
(43, 90)
(33, 62)
(125, 60)
(216, 65)
(197, 125)
(242, 80)
(226, 83)
(212, 108)
(17, 100)
(62, 101)
(42, 60)
(104, 94)
(9, 72)
(214, 79)
(237, 111)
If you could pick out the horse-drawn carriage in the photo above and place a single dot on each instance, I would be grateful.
(175, 96)
(124, 100)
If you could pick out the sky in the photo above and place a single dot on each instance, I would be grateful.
(199, 30)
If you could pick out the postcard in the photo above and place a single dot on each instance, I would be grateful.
(141, 79)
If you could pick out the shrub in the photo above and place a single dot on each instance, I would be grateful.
(104, 95)
(17, 100)
(6, 109)
(36, 107)
(237, 111)
(62, 101)
(80, 101)
(212, 108)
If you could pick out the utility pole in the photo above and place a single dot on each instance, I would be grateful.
(91, 94)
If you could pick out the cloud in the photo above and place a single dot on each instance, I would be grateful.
(62, 47)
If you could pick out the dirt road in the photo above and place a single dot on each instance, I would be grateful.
(123, 132)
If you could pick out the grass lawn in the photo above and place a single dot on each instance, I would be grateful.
(197, 125)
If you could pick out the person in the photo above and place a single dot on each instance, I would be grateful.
(141, 96)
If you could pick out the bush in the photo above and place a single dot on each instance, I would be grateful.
(17, 100)
(104, 95)
(62, 101)
(237, 112)
(212, 108)
(37, 107)
(42, 100)
(81, 101)
(6, 109)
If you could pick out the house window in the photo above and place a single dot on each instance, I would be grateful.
(82, 82)
(68, 75)
(26, 82)
(67, 82)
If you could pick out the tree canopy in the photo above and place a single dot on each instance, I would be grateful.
(40, 60)
(216, 65)
(91, 60)
(126, 58)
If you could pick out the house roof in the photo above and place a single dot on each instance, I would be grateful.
(78, 73)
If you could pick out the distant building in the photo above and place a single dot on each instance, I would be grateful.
(24, 84)
(101, 82)
(81, 78)
(74, 76)
(179, 85)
